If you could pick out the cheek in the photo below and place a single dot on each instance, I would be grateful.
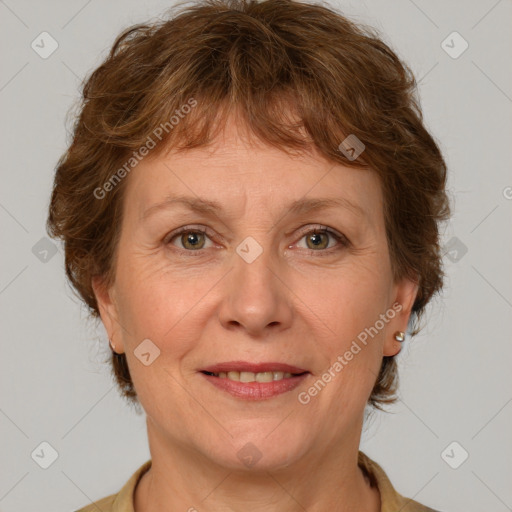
(348, 321)
(154, 306)
(153, 297)
(352, 299)
(168, 308)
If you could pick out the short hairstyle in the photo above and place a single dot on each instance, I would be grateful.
(298, 76)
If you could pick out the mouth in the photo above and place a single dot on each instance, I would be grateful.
(238, 376)
(254, 381)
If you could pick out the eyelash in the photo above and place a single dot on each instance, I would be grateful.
(341, 239)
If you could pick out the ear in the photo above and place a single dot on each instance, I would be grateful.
(105, 297)
(405, 292)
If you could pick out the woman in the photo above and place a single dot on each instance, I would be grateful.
(251, 204)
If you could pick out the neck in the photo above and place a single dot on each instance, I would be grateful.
(182, 479)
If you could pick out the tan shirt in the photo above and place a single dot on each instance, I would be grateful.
(391, 501)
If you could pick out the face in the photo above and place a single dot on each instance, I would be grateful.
(241, 258)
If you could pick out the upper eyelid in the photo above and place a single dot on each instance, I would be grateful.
(304, 230)
(186, 229)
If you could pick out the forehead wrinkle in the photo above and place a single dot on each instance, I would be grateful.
(211, 207)
(199, 205)
(302, 206)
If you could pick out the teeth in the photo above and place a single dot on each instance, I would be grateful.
(254, 377)
(264, 377)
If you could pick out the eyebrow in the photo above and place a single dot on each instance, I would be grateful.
(208, 207)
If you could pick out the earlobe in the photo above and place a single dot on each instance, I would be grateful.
(405, 295)
(108, 312)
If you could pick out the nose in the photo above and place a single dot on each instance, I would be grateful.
(256, 299)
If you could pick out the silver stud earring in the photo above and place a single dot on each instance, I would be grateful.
(399, 336)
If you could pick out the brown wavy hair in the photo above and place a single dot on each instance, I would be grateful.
(299, 76)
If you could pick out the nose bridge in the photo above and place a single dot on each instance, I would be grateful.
(256, 298)
(253, 263)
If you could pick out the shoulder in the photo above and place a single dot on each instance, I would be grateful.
(124, 499)
(391, 500)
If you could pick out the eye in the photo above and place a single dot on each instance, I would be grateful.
(319, 238)
(190, 238)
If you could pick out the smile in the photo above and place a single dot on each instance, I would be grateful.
(254, 381)
(253, 377)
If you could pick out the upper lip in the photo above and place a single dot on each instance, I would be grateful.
(244, 366)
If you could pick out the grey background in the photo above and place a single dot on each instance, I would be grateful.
(455, 376)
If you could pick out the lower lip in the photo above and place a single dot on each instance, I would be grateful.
(256, 390)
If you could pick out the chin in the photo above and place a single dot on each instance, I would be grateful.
(259, 446)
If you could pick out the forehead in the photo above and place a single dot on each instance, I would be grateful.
(234, 170)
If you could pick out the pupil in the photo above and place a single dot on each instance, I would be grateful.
(192, 238)
(316, 237)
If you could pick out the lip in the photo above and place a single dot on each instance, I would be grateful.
(255, 390)
(244, 366)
